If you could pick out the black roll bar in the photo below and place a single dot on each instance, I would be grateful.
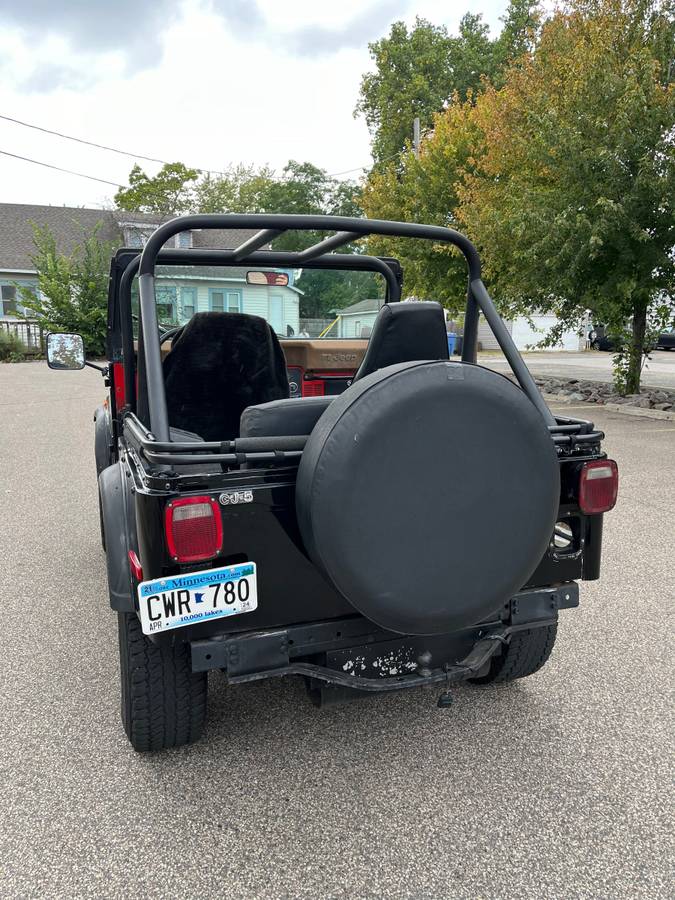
(348, 229)
(284, 258)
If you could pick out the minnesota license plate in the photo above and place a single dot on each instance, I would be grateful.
(180, 600)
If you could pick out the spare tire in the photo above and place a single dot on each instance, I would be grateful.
(427, 494)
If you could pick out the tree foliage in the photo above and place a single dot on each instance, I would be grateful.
(418, 71)
(565, 177)
(170, 192)
(300, 188)
(572, 200)
(72, 290)
(426, 190)
(243, 189)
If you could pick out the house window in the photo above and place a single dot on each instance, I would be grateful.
(188, 298)
(233, 301)
(138, 237)
(184, 240)
(224, 301)
(8, 293)
(357, 329)
(166, 305)
(134, 238)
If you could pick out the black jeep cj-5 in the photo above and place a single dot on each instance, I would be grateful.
(423, 527)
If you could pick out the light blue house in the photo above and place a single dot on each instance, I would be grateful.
(181, 291)
(357, 320)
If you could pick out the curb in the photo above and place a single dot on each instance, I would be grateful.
(639, 411)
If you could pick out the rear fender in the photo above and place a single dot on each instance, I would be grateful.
(103, 439)
(120, 534)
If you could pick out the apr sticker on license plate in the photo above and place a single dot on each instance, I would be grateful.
(179, 600)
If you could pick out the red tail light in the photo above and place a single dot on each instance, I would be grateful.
(598, 486)
(194, 529)
(313, 388)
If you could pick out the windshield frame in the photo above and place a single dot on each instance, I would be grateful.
(125, 265)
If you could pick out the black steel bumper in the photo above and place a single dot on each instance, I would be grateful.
(354, 653)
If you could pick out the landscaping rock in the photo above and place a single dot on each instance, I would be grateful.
(577, 390)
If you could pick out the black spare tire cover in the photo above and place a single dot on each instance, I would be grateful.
(427, 494)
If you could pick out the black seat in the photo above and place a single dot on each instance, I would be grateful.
(219, 364)
(405, 332)
(282, 418)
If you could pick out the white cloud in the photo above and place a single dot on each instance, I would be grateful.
(220, 82)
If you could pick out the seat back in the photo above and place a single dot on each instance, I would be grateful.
(219, 364)
(282, 418)
(405, 332)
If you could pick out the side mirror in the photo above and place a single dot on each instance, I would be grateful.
(65, 351)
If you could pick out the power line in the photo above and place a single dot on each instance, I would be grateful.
(59, 169)
(69, 137)
(163, 162)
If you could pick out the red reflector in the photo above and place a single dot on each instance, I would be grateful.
(598, 486)
(194, 530)
(135, 566)
(313, 388)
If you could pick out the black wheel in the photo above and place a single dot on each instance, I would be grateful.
(595, 345)
(526, 654)
(163, 701)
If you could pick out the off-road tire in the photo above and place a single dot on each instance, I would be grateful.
(163, 701)
(527, 652)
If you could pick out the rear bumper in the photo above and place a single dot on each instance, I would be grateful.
(354, 653)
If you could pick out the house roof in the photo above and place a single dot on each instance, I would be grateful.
(70, 225)
(363, 306)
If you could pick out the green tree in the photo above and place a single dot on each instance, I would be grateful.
(243, 189)
(170, 192)
(572, 200)
(426, 190)
(418, 72)
(518, 37)
(72, 290)
(412, 77)
(327, 290)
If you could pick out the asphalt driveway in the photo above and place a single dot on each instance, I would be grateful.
(592, 365)
(557, 786)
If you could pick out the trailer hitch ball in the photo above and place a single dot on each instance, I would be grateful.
(424, 664)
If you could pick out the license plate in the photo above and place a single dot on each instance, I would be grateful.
(180, 600)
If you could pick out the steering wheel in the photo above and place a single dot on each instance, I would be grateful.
(169, 334)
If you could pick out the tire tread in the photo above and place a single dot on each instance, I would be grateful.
(527, 652)
(163, 701)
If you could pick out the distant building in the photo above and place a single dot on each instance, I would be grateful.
(357, 320)
(180, 292)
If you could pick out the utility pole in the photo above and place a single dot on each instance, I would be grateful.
(416, 137)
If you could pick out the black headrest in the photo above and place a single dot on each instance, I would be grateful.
(219, 364)
(405, 332)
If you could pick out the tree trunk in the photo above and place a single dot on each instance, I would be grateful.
(636, 349)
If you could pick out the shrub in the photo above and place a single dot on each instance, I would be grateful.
(11, 348)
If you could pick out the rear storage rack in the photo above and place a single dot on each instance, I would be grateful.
(570, 436)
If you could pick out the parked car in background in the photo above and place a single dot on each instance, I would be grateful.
(599, 339)
(666, 340)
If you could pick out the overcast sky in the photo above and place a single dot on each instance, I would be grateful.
(207, 82)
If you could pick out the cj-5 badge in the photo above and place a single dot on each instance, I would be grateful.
(229, 498)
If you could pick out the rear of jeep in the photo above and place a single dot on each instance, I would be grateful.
(422, 527)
